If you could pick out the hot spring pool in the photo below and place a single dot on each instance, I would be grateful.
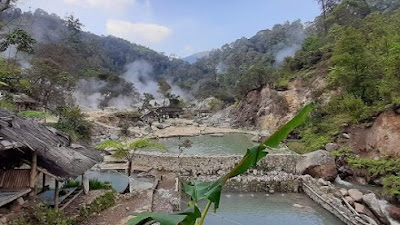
(231, 143)
(276, 209)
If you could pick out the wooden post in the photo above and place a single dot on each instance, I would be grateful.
(85, 183)
(32, 181)
(44, 181)
(56, 196)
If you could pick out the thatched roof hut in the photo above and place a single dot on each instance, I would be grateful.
(55, 152)
(45, 150)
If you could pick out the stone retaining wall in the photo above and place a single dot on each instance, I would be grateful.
(197, 165)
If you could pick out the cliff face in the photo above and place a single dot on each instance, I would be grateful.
(268, 109)
(382, 138)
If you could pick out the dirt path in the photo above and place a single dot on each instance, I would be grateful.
(123, 209)
(166, 198)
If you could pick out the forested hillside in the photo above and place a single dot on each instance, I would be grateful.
(78, 57)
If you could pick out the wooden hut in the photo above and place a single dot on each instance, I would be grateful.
(169, 112)
(29, 150)
(24, 102)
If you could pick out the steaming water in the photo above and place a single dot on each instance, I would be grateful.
(233, 143)
(277, 209)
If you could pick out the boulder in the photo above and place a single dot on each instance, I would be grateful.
(393, 212)
(349, 200)
(343, 192)
(372, 202)
(356, 195)
(361, 180)
(360, 208)
(323, 182)
(256, 138)
(346, 135)
(319, 164)
(331, 147)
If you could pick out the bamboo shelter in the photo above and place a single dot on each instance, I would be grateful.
(43, 151)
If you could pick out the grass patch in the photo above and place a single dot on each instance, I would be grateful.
(95, 184)
(72, 184)
(33, 114)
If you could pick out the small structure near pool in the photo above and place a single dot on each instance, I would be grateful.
(29, 150)
(24, 102)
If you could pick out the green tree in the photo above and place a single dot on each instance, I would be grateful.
(74, 27)
(353, 66)
(19, 38)
(127, 150)
(50, 85)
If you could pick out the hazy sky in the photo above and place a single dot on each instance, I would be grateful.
(180, 27)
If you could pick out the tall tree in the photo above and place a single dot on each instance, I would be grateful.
(50, 84)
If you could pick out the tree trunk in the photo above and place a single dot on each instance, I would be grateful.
(129, 168)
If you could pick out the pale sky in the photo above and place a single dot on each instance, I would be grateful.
(180, 27)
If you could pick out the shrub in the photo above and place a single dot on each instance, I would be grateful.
(99, 204)
(72, 184)
(391, 186)
(95, 184)
(124, 129)
(377, 168)
(43, 216)
(7, 104)
(215, 104)
(72, 122)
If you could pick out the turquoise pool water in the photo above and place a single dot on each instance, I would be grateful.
(276, 209)
(232, 143)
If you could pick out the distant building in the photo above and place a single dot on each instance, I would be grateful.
(24, 102)
(169, 112)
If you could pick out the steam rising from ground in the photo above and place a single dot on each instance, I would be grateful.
(286, 52)
(87, 94)
(139, 74)
(221, 68)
